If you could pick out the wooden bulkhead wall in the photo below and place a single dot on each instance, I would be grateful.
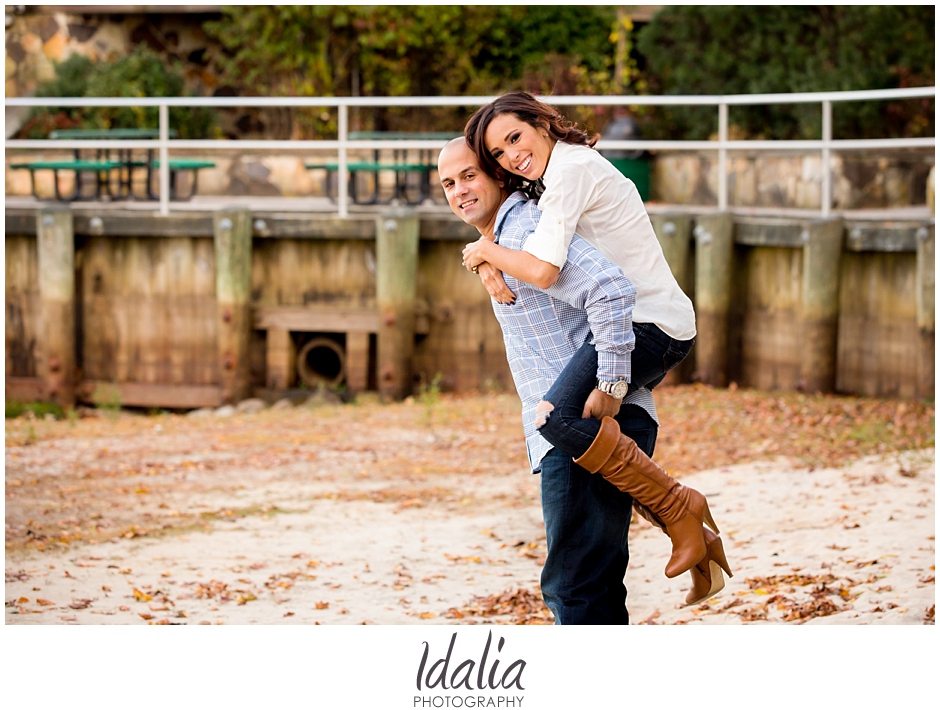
(813, 305)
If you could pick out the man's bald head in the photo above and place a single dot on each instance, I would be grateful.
(472, 194)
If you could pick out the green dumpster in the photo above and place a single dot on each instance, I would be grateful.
(637, 170)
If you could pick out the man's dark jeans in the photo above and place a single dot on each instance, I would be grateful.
(586, 518)
(586, 524)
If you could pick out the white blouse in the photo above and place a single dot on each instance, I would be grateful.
(585, 193)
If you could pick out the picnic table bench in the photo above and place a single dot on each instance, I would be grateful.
(399, 164)
(102, 166)
(101, 169)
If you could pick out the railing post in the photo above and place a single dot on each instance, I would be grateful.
(164, 160)
(723, 157)
(826, 158)
(343, 173)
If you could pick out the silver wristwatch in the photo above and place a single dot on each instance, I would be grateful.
(617, 389)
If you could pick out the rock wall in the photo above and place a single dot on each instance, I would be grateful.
(35, 42)
(887, 179)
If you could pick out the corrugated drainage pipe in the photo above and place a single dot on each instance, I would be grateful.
(321, 361)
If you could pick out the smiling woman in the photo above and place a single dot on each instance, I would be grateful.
(519, 147)
(518, 119)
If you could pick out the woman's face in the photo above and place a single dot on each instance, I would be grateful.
(519, 147)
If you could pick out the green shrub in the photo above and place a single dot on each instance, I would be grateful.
(143, 73)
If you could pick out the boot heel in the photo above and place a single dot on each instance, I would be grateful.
(718, 581)
(707, 518)
(705, 586)
(716, 553)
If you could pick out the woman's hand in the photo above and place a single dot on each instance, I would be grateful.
(492, 279)
(599, 405)
(475, 253)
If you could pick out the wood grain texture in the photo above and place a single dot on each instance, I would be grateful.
(22, 305)
(56, 265)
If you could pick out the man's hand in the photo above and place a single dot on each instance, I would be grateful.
(492, 279)
(474, 253)
(600, 405)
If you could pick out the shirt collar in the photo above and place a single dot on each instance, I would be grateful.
(514, 199)
(558, 153)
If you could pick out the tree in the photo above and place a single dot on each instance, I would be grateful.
(422, 50)
(698, 49)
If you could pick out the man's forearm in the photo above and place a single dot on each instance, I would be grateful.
(610, 313)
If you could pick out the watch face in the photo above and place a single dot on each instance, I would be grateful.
(619, 389)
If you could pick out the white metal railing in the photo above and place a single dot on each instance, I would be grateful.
(826, 145)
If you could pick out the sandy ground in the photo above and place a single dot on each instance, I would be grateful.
(852, 545)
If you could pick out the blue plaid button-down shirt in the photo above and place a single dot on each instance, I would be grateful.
(542, 330)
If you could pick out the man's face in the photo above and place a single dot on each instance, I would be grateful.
(472, 194)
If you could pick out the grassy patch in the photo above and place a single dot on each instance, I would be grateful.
(39, 409)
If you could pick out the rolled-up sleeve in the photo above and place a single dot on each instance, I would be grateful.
(590, 282)
(562, 204)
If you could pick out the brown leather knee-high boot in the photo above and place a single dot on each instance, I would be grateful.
(683, 510)
(707, 579)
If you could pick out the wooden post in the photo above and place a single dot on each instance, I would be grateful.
(924, 285)
(714, 251)
(232, 228)
(281, 356)
(396, 247)
(56, 262)
(357, 360)
(674, 232)
(822, 264)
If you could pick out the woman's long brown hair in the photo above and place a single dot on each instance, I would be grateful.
(530, 110)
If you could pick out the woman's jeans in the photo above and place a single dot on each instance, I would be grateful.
(654, 355)
(587, 518)
(586, 524)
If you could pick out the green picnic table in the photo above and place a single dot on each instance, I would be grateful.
(399, 164)
(102, 165)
